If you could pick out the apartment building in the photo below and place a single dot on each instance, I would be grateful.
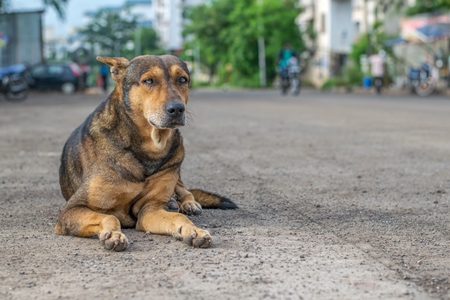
(337, 24)
(145, 9)
(169, 21)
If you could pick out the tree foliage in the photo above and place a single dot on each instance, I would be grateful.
(428, 6)
(149, 43)
(110, 31)
(59, 6)
(368, 44)
(420, 6)
(116, 33)
(227, 31)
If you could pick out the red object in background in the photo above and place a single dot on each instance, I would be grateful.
(99, 81)
(75, 70)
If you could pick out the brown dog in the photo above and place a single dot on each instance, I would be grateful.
(121, 166)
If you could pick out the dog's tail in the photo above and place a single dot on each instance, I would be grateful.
(211, 200)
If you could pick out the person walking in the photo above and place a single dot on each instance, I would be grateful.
(104, 72)
(377, 70)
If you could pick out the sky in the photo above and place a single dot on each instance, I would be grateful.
(74, 11)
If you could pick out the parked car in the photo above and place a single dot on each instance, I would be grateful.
(56, 76)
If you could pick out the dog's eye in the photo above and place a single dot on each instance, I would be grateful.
(182, 80)
(148, 81)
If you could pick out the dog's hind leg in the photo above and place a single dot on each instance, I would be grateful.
(192, 201)
(212, 200)
(178, 225)
(186, 200)
(78, 220)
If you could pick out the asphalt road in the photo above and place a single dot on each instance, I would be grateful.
(340, 196)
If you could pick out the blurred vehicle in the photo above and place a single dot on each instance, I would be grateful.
(14, 81)
(56, 76)
(290, 77)
(421, 80)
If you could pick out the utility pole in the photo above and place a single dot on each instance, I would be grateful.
(197, 69)
(368, 30)
(261, 49)
(262, 61)
(137, 42)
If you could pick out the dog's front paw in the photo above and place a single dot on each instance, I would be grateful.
(196, 237)
(191, 208)
(113, 240)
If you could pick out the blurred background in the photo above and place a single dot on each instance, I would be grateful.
(229, 42)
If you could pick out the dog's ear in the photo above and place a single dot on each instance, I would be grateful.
(118, 66)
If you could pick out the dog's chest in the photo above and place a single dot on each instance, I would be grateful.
(152, 166)
(173, 157)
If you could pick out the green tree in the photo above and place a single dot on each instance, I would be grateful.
(420, 6)
(279, 25)
(362, 45)
(147, 42)
(386, 6)
(428, 6)
(227, 33)
(59, 6)
(109, 32)
(206, 30)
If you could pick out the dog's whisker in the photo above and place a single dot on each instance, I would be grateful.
(189, 118)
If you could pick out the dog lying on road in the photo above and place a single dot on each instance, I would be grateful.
(121, 166)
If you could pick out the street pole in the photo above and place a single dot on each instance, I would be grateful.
(368, 31)
(197, 63)
(261, 50)
(262, 61)
(137, 43)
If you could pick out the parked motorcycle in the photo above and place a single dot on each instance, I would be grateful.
(290, 77)
(14, 82)
(421, 80)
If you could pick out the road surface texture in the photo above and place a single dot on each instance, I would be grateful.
(340, 196)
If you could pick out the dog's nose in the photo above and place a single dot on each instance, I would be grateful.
(175, 108)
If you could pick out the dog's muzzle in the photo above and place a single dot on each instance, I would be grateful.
(175, 113)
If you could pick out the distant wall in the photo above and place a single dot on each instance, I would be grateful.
(414, 53)
(22, 36)
(341, 26)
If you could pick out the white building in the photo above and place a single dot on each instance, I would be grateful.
(337, 24)
(169, 21)
(143, 8)
(332, 21)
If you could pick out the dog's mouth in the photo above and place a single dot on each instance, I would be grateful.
(169, 124)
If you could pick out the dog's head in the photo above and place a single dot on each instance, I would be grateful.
(156, 87)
